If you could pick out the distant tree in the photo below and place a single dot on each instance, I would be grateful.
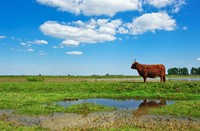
(178, 71)
(169, 72)
(192, 71)
(195, 71)
(173, 71)
(198, 71)
(107, 74)
(183, 71)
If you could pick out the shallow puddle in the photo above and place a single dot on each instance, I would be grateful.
(107, 120)
(117, 103)
(185, 79)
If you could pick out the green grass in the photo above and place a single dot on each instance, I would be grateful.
(180, 108)
(71, 76)
(92, 76)
(35, 79)
(183, 76)
(8, 126)
(37, 98)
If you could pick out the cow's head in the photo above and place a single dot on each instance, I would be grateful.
(134, 65)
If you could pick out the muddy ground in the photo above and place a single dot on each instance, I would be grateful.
(104, 120)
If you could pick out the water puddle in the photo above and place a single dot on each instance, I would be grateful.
(185, 79)
(136, 115)
(107, 120)
(117, 103)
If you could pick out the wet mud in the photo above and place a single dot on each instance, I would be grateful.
(104, 120)
(118, 119)
(20, 120)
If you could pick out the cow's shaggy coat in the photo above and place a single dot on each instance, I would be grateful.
(150, 71)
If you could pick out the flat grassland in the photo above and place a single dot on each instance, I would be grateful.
(35, 95)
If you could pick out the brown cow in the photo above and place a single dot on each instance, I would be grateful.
(150, 71)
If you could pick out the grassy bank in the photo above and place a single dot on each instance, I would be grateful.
(37, 98)
(189, 108)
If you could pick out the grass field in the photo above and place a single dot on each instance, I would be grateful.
(78, 78)
(34, 96)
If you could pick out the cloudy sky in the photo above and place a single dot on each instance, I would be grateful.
(85, 37)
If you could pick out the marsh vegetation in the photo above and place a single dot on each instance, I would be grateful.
(37, 99)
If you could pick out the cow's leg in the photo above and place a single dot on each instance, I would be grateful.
(161, 78)
(164, 79)
(144, 79)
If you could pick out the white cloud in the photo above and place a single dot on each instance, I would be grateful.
(25, 44)
(159, 3)
(175, 5)
(184, 28)
(40, 42)
(94, 7)
(30, 50)
(102, 30)
(15, 38)
(151, 22)
(28, 43)
(109, 7)
(92, 31)
(59, 46)
(73, 6)
(55, 47)
(109, 27)
(2, 36)
(41, 53)
(198, 59)
(74, 53)
(120, 39)
(23, 50)
(70, 43)
(122, 30)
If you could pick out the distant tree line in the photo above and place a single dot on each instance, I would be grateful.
(183, 71)
(195, 71)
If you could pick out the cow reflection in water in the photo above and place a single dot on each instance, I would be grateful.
(151, 104)
(145, 105)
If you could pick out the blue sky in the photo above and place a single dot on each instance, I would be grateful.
(85, 37)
